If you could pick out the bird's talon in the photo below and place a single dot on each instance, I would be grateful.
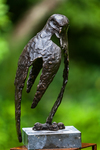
(61, 126)
(53, 127)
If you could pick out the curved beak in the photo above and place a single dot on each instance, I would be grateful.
(60, 30)
(63, 37)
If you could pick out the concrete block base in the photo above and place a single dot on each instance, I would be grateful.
(69, 137)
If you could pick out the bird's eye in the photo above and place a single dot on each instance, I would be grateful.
(55, 23)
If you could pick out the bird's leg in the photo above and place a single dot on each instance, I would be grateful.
(54, 109)
(60, 96)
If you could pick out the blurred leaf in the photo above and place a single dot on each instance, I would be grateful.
(4, 48)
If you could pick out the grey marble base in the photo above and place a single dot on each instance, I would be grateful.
(69, 137)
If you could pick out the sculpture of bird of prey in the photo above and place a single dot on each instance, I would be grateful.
(42, 53)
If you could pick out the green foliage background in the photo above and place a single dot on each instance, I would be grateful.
(81, 101)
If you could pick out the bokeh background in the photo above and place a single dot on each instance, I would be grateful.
(22, 19)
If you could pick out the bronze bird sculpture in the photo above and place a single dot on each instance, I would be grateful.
(42, 53)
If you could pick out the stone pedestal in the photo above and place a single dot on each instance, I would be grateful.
(69, 137)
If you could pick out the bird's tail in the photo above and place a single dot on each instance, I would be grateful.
(20, 78)
(18, 94)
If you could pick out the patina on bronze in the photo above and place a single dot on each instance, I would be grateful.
(42, 53)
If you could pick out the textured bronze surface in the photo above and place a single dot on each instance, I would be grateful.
(46, 126)
(84, 145)
(42, 53)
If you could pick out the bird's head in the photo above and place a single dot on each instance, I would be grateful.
(59, 25)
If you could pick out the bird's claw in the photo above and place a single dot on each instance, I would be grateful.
(53, 127)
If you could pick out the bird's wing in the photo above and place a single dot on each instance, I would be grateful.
(50, 68)
(23, 66)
